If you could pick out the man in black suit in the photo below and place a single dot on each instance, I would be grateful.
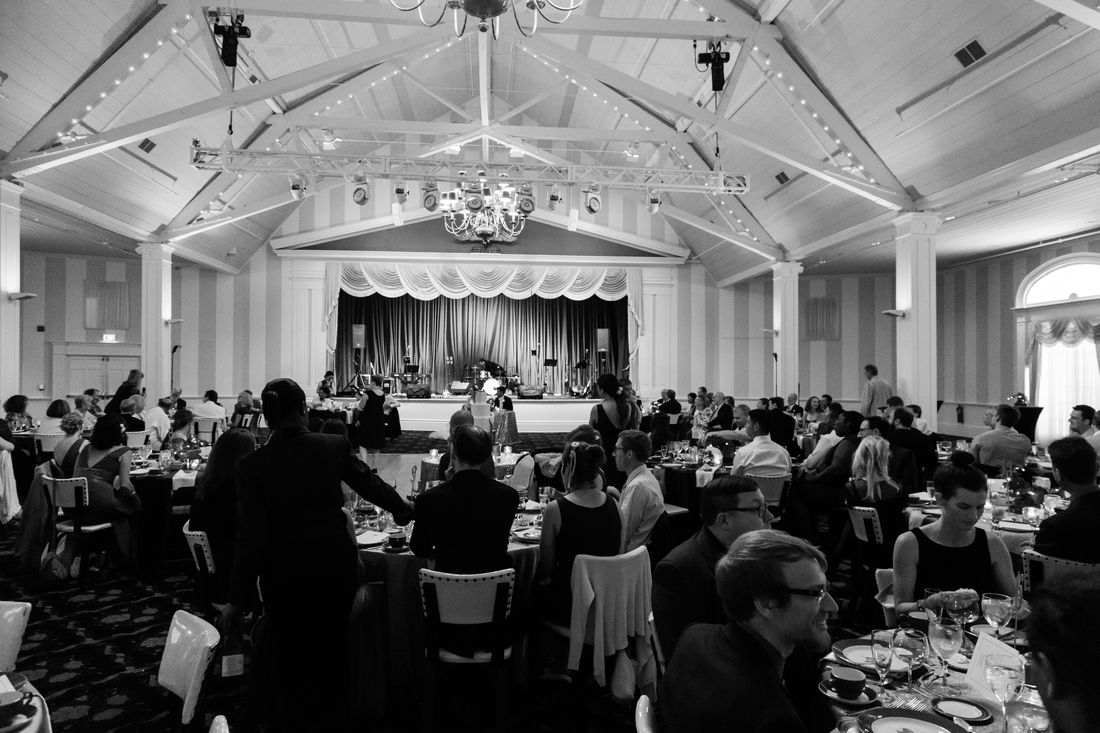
(465, 521)
(293, 533)
(821, 491)
(904, 435)
(723, 416)
(783, 426)
(1072, 534)
(684, 592)
(669, 403)
(757, 672)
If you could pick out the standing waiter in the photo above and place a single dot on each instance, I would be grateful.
(293, 534)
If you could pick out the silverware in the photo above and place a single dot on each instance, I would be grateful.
(963, 724)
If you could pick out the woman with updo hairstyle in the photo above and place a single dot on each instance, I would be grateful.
(105, 462)
(69, 447)
(583, 522)
(952, 552)
(181, 429)
(614, 414)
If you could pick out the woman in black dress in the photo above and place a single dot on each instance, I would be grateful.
(614, 414)
(371, 434)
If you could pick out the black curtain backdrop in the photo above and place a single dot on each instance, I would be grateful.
(472, 328)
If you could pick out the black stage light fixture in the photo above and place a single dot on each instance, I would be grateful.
(716, 59)
(230, 31)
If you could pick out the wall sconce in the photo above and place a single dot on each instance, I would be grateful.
(894, 313)
(21, 296)
(172, 321)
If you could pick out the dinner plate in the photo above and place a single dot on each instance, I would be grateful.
(140, 471)
(672, 465)
(932, 511)
(968, 710)
(868, 697)
(370, 538)
(896, 720)
(987, 629)
(530, 536)
(1005, 526)
(858, 652)
(959, 662)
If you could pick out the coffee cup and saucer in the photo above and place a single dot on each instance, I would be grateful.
(396, 541)
(848, 686)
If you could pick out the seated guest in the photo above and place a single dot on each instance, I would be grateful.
(871, 485)
(446, 471)
(826, 400)
(82, 404)
(130, 408)
(214, 508)
(684, 592)
(69, 447)
(1080, 423)
(210, 407)
(762, 456)
(783, 426)
(245, 409)
(919, 423)
(705, 410)
(892, 403)
(1072, 534)
(1003, 445)
(813, 412)
(93, 396)
(129, 388)
(1065, 644)
(904, 434)
(738, 423)
(16, 415)
(821, 451)
(583, 522)
(324, 400)
(793, 408)
(464, 522)
(832, 412)
(52, 422)
(641, 503)
(723, 414)
(550, 470)
(329, 380)
(758, 672)
(158, 423)
(952, 553)
(502, 401)
(902, 463)
(178, 403)
(105, 462)
(181, 430)
(669, 403)
(819, 491)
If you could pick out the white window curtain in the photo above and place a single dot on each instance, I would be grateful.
(1067, 375)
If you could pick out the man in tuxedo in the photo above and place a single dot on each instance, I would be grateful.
(723, 416)
(465, 521)
(783, 426)
(906, 435)
(1072, 534)
(669, 403)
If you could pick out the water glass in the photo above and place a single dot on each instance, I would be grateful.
(946, 638)
(963, 608)
(997, 609)
(1004, 674)
(911, 647)
(882, 654)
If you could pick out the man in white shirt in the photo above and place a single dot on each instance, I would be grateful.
(641, 503)
(209, 407)
(740, 421)
(1080, 423)
(762, 456)
(821, 452)
(158, 423)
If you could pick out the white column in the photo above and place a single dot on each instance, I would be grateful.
(10, 279)
(156, 310)
(917, 358)
(785, 324)
(306, 319)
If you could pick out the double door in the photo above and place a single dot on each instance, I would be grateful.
(103, 372)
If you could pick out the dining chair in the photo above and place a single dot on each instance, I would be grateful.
(774, 489)
(658, 651)
(884, 581)
(205, 428)
(522, 474)
(483, 600)
(45, 443)
(188, 650)
(72, 494)
(866, 527)
(482, 416)
(645, 717)
(199, 544)
(219, 725)
(13, 623)
(136, 438)
(1038, 567)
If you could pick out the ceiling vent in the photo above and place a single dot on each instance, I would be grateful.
(147, 145)
(782, 177)
(970, 53)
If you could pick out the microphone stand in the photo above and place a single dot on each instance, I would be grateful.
(775, 358)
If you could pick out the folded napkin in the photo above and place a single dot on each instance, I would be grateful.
(921, 496)
(531, 506)
(5, 684)
(183, 478)
(703, 476)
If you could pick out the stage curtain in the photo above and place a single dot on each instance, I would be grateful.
(428, 281)
(501, 329)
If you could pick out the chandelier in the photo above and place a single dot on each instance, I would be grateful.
(481, 213)
(488, 13)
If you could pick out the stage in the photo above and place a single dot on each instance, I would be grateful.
(548, 415)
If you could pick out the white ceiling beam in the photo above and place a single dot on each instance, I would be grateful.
(173, 119)
(523, 107)
(529, 150)
(844, 236)
(234, 214)
(409, 127)
(343, 231)
(463, 139)
(182, 251)
(744, 52)
(213, 54)
(1087, 14)
(770, 9)
(807, 89)
(412, 127)
(362, 12)
(715, 230)
(34, 192)
(740, 133)
(437, 97)
(484, 86)
(475, 258)
(743, 275)
(102, 78)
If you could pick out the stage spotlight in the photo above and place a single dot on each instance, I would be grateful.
(525, 199)
(299, 187)
(592, 200)
(554, 198)
(475, 203)
(400, 192)
(361, 194)
(430, 191)
(653, 200)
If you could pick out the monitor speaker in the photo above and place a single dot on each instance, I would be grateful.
(459, 388)
(530, 393)
(418, 391)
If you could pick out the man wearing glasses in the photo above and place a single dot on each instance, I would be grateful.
(684, 591)
(758, 672)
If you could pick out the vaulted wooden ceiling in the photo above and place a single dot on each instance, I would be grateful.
(842, 112)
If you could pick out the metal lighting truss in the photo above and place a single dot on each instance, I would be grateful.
(351, 168)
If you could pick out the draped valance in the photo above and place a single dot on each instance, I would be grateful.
(1069, 331)
(428, 281)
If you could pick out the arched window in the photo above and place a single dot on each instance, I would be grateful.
(1061, 301)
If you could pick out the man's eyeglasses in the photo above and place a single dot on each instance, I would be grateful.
(818, 593)
(760, 511)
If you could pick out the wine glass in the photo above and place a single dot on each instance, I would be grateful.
(946, 638)
(962, 607)
(997, 609)
(882, 654)
(911, 647)
(1004, 674)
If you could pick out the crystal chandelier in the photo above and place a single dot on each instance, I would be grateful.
(488, 13)
(480, 213)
